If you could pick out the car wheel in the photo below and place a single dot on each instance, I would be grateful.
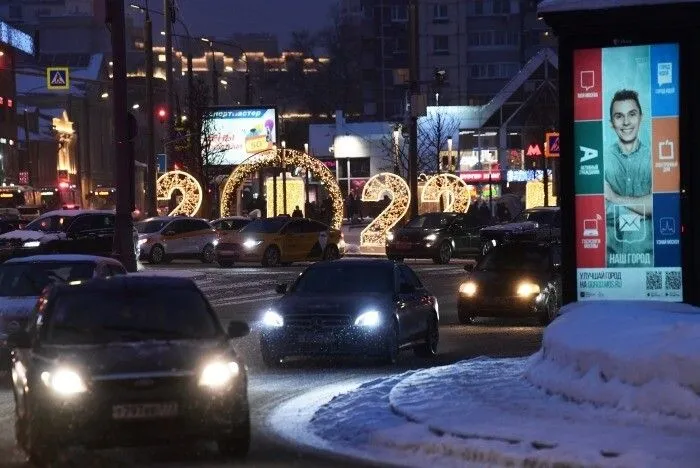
(465, 319)
(444, 254)
(391, 346)
(271, 257)
(270, 358)
(225, 263)
(157, 255)
(331, 253)
(208, 254)
(432, 338)
(237, 444)
(395, 258)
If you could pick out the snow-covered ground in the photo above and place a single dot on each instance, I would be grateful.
(615, 384)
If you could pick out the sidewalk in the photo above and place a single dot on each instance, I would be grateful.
(622, 395)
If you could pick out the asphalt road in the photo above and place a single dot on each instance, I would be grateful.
(243, 293)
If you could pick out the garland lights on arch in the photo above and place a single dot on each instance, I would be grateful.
(457, 192)
(187, 185)
(385, 183)
(273, 158)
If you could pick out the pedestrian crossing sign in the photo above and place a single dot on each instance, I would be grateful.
(58, 78)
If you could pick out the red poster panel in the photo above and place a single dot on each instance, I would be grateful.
(588, 89)
(590, 231)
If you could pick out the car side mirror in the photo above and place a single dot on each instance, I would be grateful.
(407, 288)
(281, 288)
(19, 339)
(237, 329)
(469, 267)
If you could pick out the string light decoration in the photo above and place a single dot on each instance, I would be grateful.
(295, 195)
(272, 158)
(456, 193)
(187, 185)
(534, 194)
(385, 183)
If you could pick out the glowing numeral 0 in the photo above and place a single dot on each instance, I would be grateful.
(375, 189)
(187, 185)
(456, 192)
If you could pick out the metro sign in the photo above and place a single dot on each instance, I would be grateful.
(551, 145)
(534, 150)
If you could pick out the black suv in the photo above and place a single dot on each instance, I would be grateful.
(89, 232)
(541, 224)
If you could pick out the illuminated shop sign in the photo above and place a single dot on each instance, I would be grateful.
(526, 175)
(15, 38)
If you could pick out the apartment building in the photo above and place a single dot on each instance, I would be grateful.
(479, 44)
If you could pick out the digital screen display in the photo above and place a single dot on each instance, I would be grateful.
(627, 180)
(238, 133)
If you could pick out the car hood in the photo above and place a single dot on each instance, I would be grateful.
(22, 235)
(505, 282)
(137, 357)
(521, 226)
(414, 233)
(317, 304)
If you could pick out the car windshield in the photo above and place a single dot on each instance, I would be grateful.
(29, 279)
(431, 221)
(515, 258)
(345, 279)
(56, 223)
(536, 216)
(149, 227)
(265, 225)
(99, 317)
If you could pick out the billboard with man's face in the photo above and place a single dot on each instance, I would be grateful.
(627, 181)
(237, 133)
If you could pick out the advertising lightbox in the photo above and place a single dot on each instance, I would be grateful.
(240, 132)
(627, 180)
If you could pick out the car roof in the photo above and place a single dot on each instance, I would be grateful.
(368, 262)
(64, 258)
(171, 218)
(227, 218)
(135, 282)
(544, 208)
(74, 213)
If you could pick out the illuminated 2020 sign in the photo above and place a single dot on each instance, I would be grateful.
(627, 173)
(190, 191)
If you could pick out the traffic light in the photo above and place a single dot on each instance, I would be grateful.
(162, 114)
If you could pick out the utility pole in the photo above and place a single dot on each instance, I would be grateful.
(413, 71)
(124, 148)
(214, 77)
(151, 205)
(168, 17)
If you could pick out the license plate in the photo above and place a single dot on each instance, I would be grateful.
(403, 245)
(498, 301)
(314, 338)
(144, 411)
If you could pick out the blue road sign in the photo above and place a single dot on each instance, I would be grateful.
(162, 162)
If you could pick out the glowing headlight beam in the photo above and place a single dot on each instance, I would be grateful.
(468, 288)
(63, 381)
(527, 289)
(273, 319)
(371, 318)
(218, 374)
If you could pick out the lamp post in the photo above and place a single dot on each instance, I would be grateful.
(284, 177)
(449, 155)
(247, 96)
(214, 73)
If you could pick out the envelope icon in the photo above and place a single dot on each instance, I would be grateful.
(630, 222)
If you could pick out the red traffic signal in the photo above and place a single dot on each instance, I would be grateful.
(162, 114)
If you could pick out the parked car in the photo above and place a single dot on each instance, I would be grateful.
(88, 232)
(22, 281)
(280, 241)
(128, 361)
(440, 236)
(534, 224)
(514, 279)
(352, 307)
(166, 238)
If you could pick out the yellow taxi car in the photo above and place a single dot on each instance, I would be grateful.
(280, 241)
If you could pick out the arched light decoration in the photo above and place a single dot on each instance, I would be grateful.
(188, 186)
(273, 158)
(534, 194)
(456, 192)
(376, 187)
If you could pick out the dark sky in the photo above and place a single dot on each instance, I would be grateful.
(223, 18)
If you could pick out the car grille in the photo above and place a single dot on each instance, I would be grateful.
(135, 387)
(317, 322)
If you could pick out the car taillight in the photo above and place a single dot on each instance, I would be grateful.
(342, 236)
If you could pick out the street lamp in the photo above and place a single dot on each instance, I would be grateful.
(229, 68)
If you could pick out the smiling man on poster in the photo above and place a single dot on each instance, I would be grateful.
(628, 185)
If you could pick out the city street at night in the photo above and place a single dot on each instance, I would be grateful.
(244, 292)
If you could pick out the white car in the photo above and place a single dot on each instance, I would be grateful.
(22, 281)
(165, 238)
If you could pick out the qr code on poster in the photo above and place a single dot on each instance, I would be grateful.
(654, 280)
(673, 280)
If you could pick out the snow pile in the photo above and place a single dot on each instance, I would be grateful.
(641, 356)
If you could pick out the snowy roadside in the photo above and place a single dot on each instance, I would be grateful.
(614, 385)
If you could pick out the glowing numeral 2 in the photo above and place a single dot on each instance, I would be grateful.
(375, 189)
(187, 185)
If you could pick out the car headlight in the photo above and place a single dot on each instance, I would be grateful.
(468, 288)
(218, 374)
(215, 242)
(251, 243)
(371, 318)
(31, 244)
(527, 289)
(142, 241)
(390, 236)
(273, 319)
(431, 237)
(64, 381)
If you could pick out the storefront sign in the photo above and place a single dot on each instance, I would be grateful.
(526, 175)
(480, 176)
(627, 179)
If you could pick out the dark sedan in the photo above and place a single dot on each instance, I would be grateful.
(439, 236)
(518, 279)
(128, 361)
(352, 307)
